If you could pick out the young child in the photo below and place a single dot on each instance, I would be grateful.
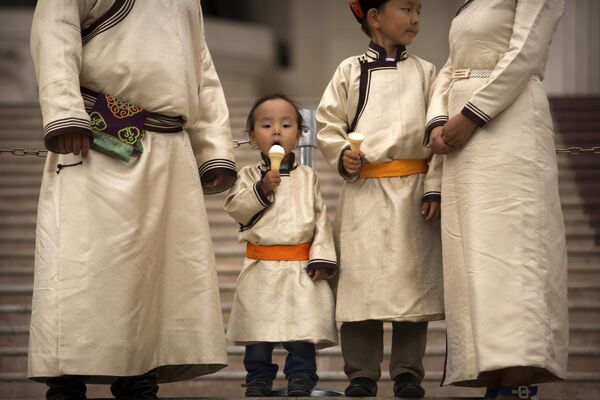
(282, 295)
(387, 240)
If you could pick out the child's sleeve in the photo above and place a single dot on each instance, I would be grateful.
(437, 111)
(210, 132)
(534, 24)
(246, 200)
(57, 54)
(322, 251)
(432, 190)
(332, 122)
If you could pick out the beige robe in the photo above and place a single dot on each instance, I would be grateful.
(503, 234)
(390, 258)
(125, 277)
(276, 301)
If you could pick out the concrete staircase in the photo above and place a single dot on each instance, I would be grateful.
(20, 177)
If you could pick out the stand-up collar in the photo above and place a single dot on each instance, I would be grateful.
(377, 53)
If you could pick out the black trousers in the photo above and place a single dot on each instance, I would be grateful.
(72, 387)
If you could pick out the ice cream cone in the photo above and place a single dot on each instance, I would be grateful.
(355, 140)
(276, 154)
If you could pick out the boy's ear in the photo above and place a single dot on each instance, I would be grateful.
(373, 18)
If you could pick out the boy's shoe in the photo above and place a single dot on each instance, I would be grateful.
(408, 385)
(361, 387)
(300, 386)
(259, 388)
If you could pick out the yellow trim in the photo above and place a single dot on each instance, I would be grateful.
(394, 168)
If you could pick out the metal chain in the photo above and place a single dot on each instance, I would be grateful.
(21, 152)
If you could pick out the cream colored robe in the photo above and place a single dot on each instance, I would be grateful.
(276, 301)
(503, 235)
(390, 258)
(125, 277)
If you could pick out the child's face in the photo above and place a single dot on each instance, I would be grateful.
(275, 122)
(398, 21)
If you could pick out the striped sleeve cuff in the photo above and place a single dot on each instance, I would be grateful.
(432, 197)
(325, 265)
(263, 199)
(475, 114)
(62, 127)
(432, 124)
(213, 168)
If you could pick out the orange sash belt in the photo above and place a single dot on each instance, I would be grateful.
(299, 252)
(394, 168)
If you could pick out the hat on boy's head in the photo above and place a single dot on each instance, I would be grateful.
(360, 8)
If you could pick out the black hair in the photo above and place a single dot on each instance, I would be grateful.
(275, 96)
(364, 26)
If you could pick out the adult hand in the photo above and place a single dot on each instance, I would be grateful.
(437, 143)
(271, 180)
(318, 275)
(458, 131)
(431, 211)
(216, 182)
(352, 161)
(73, 143)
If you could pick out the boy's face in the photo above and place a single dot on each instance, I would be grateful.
(398, 21)
(275, 122)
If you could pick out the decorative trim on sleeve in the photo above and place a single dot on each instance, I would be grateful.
(115, 14)
(213, 168)
(252, 222)
(327, 265)
(475, 114)
(432, 197)
(64, 126)
(440, 120)
(263, 199)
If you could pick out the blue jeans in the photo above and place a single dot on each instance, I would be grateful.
(301, 360)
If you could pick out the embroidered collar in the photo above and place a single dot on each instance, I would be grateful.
(377, 53)
(290, 160)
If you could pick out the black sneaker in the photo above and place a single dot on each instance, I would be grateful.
(300, 386)
(361, 387)
(408, 385)
(258, 388)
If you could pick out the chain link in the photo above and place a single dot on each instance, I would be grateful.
(21, 152)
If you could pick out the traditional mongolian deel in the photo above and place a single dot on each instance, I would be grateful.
(125, 278)
(502, 226)
(276, 301)
(390, 258)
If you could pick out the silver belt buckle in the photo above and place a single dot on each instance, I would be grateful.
(523, 392)
(461, 73)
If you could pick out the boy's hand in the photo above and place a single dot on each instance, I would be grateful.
(431, 211)
(271, 180)
(318, 274)
(458, 131)
(437, 143)
(218, 181)
(352, 161)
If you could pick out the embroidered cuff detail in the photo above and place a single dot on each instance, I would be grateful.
(432, 197)
(252, 222)
(326, 265)
(475, 114)
(64, 126)
(431, 125)
(263, 199)
(342, 171)
(213, 168)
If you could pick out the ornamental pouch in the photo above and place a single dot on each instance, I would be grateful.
(117, 126)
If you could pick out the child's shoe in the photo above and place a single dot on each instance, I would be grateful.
(259, 388)
(408, 385)
(361, 387)
(300, 386)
